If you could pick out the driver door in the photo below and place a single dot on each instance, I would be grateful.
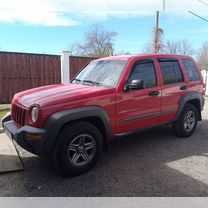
(136, 109)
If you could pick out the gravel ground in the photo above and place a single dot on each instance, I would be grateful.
(152, 163)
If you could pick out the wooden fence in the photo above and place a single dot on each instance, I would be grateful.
(77, 63)
(22, 71)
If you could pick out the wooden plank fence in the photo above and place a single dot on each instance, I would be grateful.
(77, 63)
(20, 71)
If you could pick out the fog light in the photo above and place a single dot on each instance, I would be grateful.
(34, 137)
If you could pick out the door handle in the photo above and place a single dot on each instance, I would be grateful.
(183, 88)
(154, 93)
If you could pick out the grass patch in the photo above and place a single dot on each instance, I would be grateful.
(3, 110)
(5, 106)
(3, 113)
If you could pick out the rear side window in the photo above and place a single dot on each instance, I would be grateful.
(191, 70)
(171, 72)
(144, 71)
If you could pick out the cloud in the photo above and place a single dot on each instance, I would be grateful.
(36, 12)
(70, 12)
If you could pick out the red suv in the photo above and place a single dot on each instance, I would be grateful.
(73, 123)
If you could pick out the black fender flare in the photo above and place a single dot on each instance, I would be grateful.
(57, 120)
(188, 97)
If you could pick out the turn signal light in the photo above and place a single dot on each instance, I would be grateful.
(34, 137)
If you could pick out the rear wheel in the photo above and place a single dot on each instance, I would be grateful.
(187, 122)
(78, 148)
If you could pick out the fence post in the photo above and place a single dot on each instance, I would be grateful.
(65, 69)
(205, 79)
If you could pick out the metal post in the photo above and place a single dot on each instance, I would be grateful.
(65, 67)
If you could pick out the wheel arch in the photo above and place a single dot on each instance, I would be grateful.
(94, 115)
(193, 98)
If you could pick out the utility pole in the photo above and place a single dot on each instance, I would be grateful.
(156, 44)
(164, 5)
(156, 31)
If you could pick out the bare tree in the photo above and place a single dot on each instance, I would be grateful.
(150, 47)
(98, 43)
(172, 47)
(120, 53)
(147, 48)
(202, 57)
(182, 47)
(73, 49)
(186, 48)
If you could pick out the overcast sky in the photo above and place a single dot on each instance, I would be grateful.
(50, 26)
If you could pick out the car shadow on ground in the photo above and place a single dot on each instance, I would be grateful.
(152, 163)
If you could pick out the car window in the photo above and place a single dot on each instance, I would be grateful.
(144, 71)
(171, 72)
(191, 70)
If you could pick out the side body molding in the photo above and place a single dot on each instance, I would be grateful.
(188, 97)
(57, 120)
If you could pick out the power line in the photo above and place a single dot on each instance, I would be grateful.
(203, 2)
(198, 16)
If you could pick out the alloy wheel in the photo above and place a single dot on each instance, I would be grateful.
(81, 149)
(189, 121)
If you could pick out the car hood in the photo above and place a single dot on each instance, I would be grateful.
(61, 93)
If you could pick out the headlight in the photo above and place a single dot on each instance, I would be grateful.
(34, 114)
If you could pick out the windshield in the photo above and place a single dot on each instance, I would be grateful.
(101, 73)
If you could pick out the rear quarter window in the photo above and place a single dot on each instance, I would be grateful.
(191, 70)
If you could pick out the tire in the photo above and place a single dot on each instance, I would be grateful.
(78, 148)
(187, 122)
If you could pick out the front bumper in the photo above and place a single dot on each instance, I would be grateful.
(29, 138)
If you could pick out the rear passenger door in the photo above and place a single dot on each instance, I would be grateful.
(173, 87)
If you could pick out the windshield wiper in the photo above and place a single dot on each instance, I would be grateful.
(76, 80)
(92, 82)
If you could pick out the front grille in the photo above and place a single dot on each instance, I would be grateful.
(18, 114)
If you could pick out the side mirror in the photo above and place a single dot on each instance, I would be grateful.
(136, 84)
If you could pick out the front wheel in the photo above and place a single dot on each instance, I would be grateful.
(187, 122)
(78, 148)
